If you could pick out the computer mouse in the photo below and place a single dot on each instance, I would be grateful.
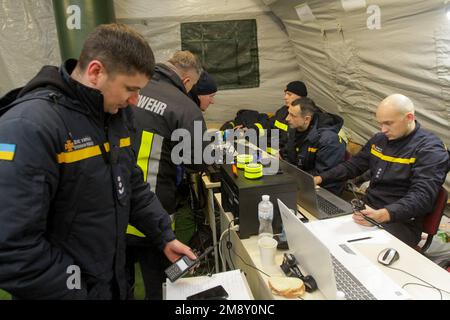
(388, 256)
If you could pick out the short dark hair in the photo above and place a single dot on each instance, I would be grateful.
(307, 106)
(119, 48)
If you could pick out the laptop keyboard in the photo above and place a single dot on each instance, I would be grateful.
(347, 283)
(328, 207)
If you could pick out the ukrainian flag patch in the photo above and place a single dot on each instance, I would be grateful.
(7, 151)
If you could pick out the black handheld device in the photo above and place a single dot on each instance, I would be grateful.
(291, 269)
(183, 265)
(359, 205)
(214, 293)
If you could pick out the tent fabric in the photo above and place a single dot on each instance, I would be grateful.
(349, 67)
(28, 41)
(350, 53)
(277, 62)
(31, 25)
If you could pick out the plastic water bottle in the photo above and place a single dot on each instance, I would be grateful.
(265, 215)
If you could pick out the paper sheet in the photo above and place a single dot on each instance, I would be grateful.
(232, 281)
(343, 228)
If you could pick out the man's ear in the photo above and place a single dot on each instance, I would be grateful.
(94, 72)
(308, 118)
(410, 117)
(186, 80)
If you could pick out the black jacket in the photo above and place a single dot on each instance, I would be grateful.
(278, 122)
(406, 174)
(163, 107)
(317, 149)
(62, 201)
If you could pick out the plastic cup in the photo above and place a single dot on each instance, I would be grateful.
(267, 249)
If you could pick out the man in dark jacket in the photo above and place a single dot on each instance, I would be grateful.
(204, 91)
(293, 91)
(164, 107)
(407, 167)
(69, 182)
(313, 142)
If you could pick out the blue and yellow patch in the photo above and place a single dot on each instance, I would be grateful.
(7, 151)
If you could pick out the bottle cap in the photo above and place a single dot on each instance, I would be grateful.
(266, 197)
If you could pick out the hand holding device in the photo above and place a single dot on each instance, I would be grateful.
(183, 265)
(359, 205)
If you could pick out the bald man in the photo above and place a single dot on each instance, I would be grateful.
(407, 164)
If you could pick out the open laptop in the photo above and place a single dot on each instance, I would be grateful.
(347, 271)
(318, 201)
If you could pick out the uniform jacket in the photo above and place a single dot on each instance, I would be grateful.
(406, 174)
(250, 119)
(163, 107)
(278, 122)
(319, 149)
(69, 187)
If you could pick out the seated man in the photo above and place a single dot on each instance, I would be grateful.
(407, 167)
(313, 143)
(294, 90)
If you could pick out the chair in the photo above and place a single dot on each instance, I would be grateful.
(433, 219)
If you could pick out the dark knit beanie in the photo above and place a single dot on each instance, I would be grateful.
(297, 87)
(205, 85)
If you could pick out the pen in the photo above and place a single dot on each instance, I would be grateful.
(359, 239)
(372, 221)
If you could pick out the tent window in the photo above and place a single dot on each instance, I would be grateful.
(227, 49)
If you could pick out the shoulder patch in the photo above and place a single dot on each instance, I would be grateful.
(7, 151)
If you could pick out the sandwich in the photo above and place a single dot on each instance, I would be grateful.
(288, 287)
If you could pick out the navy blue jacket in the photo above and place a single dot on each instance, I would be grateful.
(406, 174)
(68, 190)
(278, 122)
(318, 149)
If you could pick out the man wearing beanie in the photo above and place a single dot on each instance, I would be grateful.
(294, 90)
(204, 91)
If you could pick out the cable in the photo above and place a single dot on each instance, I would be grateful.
(419, 284)
(229, 246)
(249, 264)
(220, 241)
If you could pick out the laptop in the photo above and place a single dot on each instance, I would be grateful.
(320, 202)
(342, 271)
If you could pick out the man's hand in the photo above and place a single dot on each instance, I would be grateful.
(317, 180)
(380, 216)
(175, 249)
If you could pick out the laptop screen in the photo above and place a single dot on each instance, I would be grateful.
(312, 255)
